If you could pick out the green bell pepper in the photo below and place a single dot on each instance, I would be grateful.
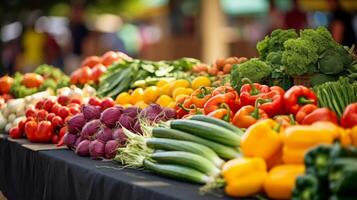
(343, 176)
(308, 187)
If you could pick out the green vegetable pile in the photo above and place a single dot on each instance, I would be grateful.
(135, 73)
(336, 95)
(331, 173)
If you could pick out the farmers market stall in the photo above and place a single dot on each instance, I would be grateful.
(60, 174)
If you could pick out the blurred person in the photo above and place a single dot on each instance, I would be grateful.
(295, 18)
(53, 52)
(341, 24)
(276, 18)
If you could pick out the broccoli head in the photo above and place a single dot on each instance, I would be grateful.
(321, 38)
(300, 56)
(254, 69)
(275, 42)
(274, 58)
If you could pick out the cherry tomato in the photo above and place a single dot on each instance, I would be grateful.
(91, 61)
(44, 131)
(94, 101)
(57, 121)
(109, 57)
(76, 101)
(55, 108)
(39, 104)
(86, 74)
(63, 112)
(28, 119)
(97, 71)
(54, 139)
(41, 115)
(21, 125)
(74, 110)
(50, 116)
(30, 130)
(107, 103)
(30, 112)
(62, 132)
(67, 118)
(48, 104)
(63, 100)
(15, 133)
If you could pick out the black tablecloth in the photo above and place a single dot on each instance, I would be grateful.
(60, 174)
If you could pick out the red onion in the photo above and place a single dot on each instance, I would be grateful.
(105, 134)
(90, 130)
(76, 123)
(133, 111)
(126, 122)
(83, 148)
(137, 127)
(96, 149)
(79, 140)
(118, 134)
(169, 113)
(91, 112)
(69, 140)
(110, 149)
(110, 116)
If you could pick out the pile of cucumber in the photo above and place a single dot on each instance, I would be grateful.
(191, 150)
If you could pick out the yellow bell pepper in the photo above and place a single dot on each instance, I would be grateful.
(280, 181)
(244, 176)
(299, 139)
(262, 140)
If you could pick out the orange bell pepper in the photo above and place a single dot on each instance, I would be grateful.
(248, 115)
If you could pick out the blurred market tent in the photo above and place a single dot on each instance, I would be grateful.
(61, 32)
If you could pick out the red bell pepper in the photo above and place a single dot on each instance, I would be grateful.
(349, 117)
(320, 114)
(296, 97)
(218, 101)
(222, 113)
(200, 96)
(180, 107)
(305, 110)
(272, 103)
(250, 92)
(223, 90)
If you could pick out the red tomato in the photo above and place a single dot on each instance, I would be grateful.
(63, 100)
(75, 75)
(30, 130)
(55, 108)
(94, 101)
(15, 133)
(109, 57)
(5, 84)
(74, 105)
(50, 116)
(21, 125)
(107, 103)
(76, 101)
(86, 74)
(74, 110)
(48, 104)
(41, 115)
(62, 132)
(97, 71)
(54, 139)
(67, 118)
(57, 121)
(30, 119)
(44, 131)
(91, 61)
(30, 112)
(63, 112)
(39, 104)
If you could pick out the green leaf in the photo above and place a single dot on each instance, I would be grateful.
(162, 71)
(148, 67)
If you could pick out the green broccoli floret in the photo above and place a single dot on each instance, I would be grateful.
(300, 56)
(321, 38)
(254, 69)
(274, 58)
(275, 42)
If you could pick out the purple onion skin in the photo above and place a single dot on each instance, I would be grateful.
(111, 149)
(110, 116)
(69, 140)
(83, 148)
(126, 122)
(133, 111)
(118, 134)
(105, 134)
(79, 140)
(169, 113)
(90, 130)
(76, 123)
(96, 149)
(91, 112)
(137, 127)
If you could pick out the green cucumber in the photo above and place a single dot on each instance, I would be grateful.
(186, 159)
(207, 131)
(177, 172)
(223, 151)
(218, 122)
(179, 145)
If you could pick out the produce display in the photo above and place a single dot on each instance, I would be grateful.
(280, 126)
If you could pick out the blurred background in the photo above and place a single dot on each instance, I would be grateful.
(62, 32)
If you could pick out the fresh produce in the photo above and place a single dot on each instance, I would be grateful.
(309, 114)
(5, 84)
(349, 117)
(296, 97)
(336, 95)
(248, 115)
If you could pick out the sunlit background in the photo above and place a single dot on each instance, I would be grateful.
(61, 33)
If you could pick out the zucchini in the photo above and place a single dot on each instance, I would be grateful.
(177, 172)
(222, 150)
(218, 122)
(186, 159)
(179, 145)
(207, 130)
